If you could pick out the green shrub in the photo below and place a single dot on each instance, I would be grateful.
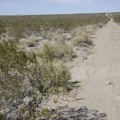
(2, 27)
(45, 113)
(13, 66)
(18, 70)
(2, 116)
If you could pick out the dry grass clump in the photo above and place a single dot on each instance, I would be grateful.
(60, 51)
(89, 29)
(50, 76)
(77, 31)
(79, 40)
(52, 33)
(82, 35)
(47, 34)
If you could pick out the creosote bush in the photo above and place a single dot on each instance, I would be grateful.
(19, 70)
(50, 75)
(59, 51)
(13, 66)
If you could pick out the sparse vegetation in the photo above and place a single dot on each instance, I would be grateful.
(82, 35)
(27, 78)
(59, 51)
(117, 18)
(2, 27)
(19, 26)
(19, 71)
(77, 41)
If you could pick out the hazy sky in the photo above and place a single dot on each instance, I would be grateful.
(12, 7)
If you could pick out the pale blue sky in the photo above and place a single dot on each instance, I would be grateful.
(12, 7)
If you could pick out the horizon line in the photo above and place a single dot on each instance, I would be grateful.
(60, 13)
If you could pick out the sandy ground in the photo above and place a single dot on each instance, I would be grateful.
(99, 76)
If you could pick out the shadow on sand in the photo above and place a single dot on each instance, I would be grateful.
(82, 113)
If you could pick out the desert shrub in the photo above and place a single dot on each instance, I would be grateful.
(47, 34)
(30, 42)
(49, 77)
(45, 113)
(20, 71)
(13, 65)
(117, 18)
(2, 116)
(21, 25)
(77, 41)
(77, 31)
(82, 35)
(89, 29)
(2, 27)
(59, 39)
(59, 51)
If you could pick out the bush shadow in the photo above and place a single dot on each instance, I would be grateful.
(82, 113)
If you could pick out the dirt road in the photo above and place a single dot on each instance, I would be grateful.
(100, 74)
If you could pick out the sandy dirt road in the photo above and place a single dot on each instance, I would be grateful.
(100, 74)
